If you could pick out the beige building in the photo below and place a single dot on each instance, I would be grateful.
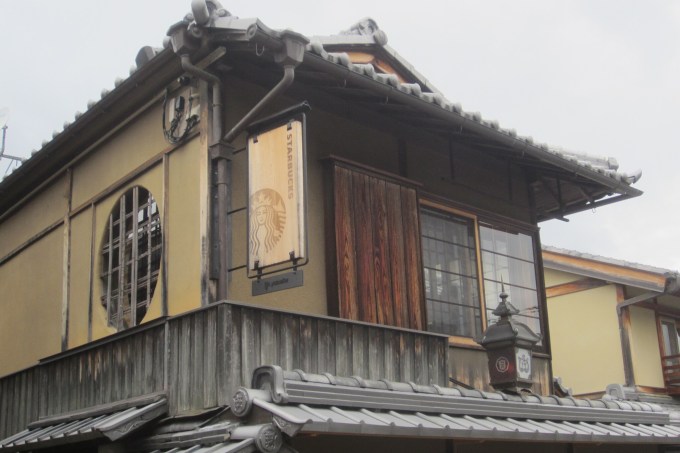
(261, 241)
(625, 315)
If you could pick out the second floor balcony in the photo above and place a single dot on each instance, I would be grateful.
(199, 359)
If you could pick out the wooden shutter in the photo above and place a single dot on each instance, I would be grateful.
(377, 249)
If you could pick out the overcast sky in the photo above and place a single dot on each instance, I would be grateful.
(596, 76)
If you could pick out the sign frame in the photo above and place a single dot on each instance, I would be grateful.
(282, 118)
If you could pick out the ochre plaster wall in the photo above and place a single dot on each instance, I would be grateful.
(32, 282)
(554, 278)
(30, 291)
(645, 353)
(184, 236)
(121, 153)
(46, 208)
(152, 181)
(586, 345)
(81, 273)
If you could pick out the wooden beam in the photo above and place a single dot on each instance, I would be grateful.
(641, 298)
(574, 287)
(66, 264)
(592, 267)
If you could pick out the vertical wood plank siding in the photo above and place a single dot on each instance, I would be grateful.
(19, 401)
(377, 246)
(210, 353)
(318, 345)
(131, 366)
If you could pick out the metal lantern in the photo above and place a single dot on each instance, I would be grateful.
(508, 345)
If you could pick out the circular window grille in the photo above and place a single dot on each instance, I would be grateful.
(131, 258)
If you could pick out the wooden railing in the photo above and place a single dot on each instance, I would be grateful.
(670, 365)
(200, 358)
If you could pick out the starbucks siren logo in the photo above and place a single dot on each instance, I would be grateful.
(267, 221)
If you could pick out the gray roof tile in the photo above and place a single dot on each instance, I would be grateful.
(111, 426)
(613, 261)
(359, 34)
(321, 403)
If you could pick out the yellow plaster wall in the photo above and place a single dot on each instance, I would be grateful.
(133, 146)
(30, 291)
(121, 153)
(31, 284)
(79, 283)
(183, 229)
(153, 182)
(585, 339)
(554, 278)
(645, 348)
(41, 211)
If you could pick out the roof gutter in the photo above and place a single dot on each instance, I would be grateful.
(523, 146)
(672, 288)
(289, 52)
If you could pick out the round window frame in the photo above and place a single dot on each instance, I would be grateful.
(149, 233)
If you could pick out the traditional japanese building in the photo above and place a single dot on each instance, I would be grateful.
(627, 315)
(261, 241)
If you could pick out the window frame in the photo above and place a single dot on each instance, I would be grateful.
(662, 319)
(427, 203)
(478, 217)
(128, 240)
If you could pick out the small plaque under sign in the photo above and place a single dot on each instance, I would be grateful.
(277, 283)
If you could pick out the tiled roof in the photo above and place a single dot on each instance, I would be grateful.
(613, 261)
(67, 430)
(318, 404)
(422, 90)
(244, 446)
(298, 386)
(668, 403)
(210, 432)
(604, 165)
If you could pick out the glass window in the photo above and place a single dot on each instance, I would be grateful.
(451, 259)
(508, 260)
(131, 257)
(671, 337)
(450, 274)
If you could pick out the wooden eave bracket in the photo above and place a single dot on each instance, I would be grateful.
(637, 299)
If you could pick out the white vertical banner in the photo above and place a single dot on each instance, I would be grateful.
(276, 197)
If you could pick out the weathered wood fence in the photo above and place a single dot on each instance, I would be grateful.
(200, 358)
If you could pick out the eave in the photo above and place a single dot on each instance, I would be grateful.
(562, 184)
(647, 278)
(97, 121)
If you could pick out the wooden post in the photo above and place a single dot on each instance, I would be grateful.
(66, 272)
(624, 329)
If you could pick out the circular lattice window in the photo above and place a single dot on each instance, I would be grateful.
(131, 258)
